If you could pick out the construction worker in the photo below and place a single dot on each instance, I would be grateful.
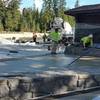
(55, 37)
(87, 41)
(44, 37)
(34, 37)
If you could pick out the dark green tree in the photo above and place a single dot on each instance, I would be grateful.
(77, 4)
(46, 13)
(11, 19)
(12, 16)
(26, 18)
(2, 15)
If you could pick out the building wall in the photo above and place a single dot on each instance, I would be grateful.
(88, 24)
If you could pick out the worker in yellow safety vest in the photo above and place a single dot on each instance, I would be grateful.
(55, 37)
(87, 41)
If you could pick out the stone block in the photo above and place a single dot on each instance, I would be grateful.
(26, 96)
(13, 84)
(16, 94)
(4, 89)
(24, 84)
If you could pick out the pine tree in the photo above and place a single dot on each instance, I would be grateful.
(62, 8)
(30, 19)
(77, 4)
(26, 19)
(47, 13)
(56, 7)
(1, 26)
(2, 15)
(12, 16)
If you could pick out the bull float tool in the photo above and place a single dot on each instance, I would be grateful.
(83, 54)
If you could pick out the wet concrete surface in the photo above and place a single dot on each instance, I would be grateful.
(59, 62)
(38, 59)
(87, 64)
(37, 64)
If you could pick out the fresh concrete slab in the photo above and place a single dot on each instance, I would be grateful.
(37, 64)
(87, 64)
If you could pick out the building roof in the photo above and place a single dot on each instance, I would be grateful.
(84, 9)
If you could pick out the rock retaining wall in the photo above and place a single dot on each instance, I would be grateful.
(23, 88)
